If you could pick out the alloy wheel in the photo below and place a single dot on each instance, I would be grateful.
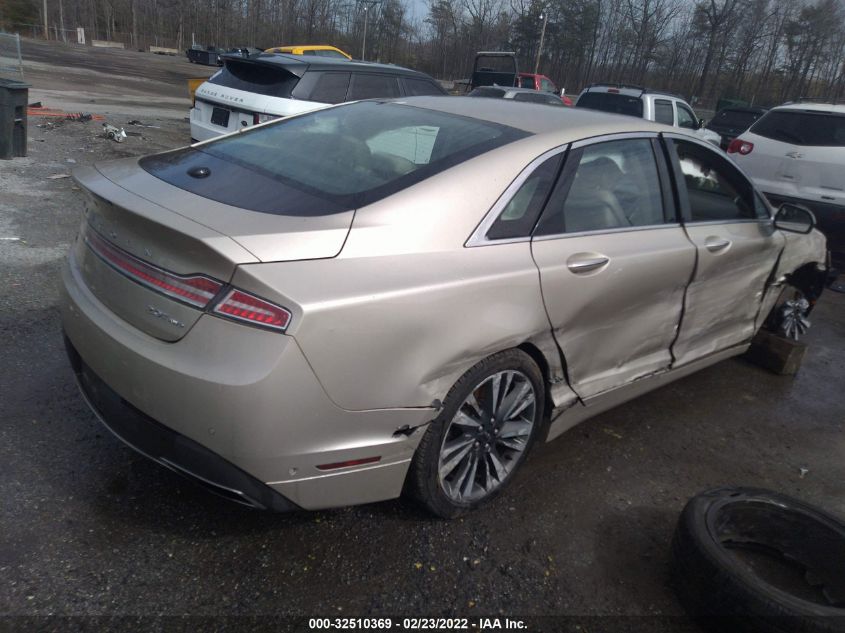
(793, 318)
(486, 436)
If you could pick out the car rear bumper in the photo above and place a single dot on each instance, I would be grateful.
(830, 219)
(169, 448)
(234, 399)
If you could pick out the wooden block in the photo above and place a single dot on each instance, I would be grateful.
(777, 354)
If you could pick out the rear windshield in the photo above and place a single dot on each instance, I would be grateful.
(611, 102)
(331, 160)
(262, 79)
(538, 97)
(736, 118)
(487, 91)
(824, 129)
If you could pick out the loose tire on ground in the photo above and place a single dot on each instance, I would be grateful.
(798, 588)
(498, 444)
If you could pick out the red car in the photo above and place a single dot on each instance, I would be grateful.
(543, 84)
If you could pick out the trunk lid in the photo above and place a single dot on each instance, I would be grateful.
(176, 231)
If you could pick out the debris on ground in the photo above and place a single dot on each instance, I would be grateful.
(140, 124)
(114, 133)
(82, 117)
(802, 471)
(58, 176)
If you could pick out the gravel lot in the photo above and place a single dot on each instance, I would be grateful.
(89, 528)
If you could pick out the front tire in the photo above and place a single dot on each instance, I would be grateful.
(488, 423)
(789, 317)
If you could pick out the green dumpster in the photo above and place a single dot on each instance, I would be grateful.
(14, 96)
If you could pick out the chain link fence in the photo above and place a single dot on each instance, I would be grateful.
(11, 64)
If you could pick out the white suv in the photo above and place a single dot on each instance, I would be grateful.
(248, 91)
(796, 153)
(660, 107)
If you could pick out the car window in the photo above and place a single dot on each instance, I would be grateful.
(735, 118)
(547, 85)
(367, 86)
(420, 87)
(686, 118)
(521, 212)
(716, 190)
(330, 88)
(538, 97)
(663, 112)
(258, 78)
(615, 184)
(610, 102)
(820, 129)
(413, 144)
(487, 91)
(330, 160)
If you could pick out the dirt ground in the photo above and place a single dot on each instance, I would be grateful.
(91, 529)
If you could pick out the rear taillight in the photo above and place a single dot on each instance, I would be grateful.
(195, 290)
(248, 308)
(738, 146)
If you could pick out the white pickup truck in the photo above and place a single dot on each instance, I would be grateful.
(654, 105)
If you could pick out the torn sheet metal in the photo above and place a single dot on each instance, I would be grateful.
(724, 297)
(615, 322)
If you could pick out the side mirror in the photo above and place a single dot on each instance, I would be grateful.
(701, 124)
(794, 218)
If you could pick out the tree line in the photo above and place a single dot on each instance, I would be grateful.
(759, 51)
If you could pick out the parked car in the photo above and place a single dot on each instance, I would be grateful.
(796, 153)
(331, 308)
(320, 50)
(661, 107)
(494, 68)
(543, 84)
(251, 91)
(733, 121)
(517, 94)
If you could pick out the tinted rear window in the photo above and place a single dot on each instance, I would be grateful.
(735, 118)
(824, 129)
(538, 97)
(610, 102)
(421, 87)
(258, 78)
(487, 91)
(330, 160)
(366, 86)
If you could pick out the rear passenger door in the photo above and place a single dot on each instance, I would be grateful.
(614, 262)
(736, 245)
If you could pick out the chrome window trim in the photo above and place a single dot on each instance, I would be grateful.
(620, 136)
(722, 154)
(479, 235)
(621, 229)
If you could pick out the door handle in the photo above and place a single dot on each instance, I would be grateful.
(584, 263)
(716, 244)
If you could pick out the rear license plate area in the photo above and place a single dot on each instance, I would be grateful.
(220, 116)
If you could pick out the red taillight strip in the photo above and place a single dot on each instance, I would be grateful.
(196, 290)
(248, 308)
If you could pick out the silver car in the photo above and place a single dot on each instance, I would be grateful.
(384, 296)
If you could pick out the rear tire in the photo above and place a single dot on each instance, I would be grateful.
(488, 423)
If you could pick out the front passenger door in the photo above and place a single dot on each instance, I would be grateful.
(614, 262)
(737, 249)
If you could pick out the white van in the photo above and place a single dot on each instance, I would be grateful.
(249, 91)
